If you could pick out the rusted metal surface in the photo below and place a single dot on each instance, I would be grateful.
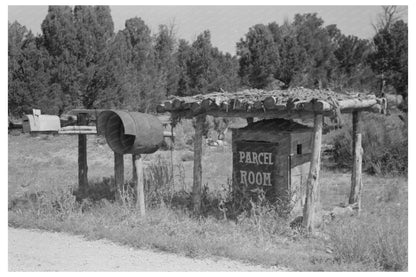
(130, 132)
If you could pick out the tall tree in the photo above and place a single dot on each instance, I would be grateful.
(28, 73)
(258, 57)
(390, 57)
(352, 70)
(183, 56)
(165, 43)
(60, 40)
(94, 30)
(315, 40)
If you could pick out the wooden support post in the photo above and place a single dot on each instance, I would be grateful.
(82, 155)
(356, 179)
(312, 184)
(118, 174)
(197, 182)
(138, 175)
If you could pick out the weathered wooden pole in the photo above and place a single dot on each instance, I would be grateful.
(118, 174)
(312, 184)
(197, 182)
(357, 151)
(82, 155)
(138, 178)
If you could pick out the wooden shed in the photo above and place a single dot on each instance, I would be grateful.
(272, 155)
(294, 103)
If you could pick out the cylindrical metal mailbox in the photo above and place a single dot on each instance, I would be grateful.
(130, 132)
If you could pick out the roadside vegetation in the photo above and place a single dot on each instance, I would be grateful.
(79, 61)
(374, 240)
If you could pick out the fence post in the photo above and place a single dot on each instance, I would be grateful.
(82, 155)
(357, 151)
(138, 177)
(312, 184)
(197, 171)
(118, 174)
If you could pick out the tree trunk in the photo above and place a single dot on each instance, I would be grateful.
(312, 184)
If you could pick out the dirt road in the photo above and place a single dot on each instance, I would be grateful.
(32, 250)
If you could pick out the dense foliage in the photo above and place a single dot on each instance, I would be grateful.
(79, 61)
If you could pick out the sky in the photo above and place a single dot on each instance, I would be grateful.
(227, 23)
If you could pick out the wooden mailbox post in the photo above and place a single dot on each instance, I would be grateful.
(296, 103)
(82, 154)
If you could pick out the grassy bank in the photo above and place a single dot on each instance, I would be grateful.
(374, 240)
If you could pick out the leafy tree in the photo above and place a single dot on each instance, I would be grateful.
(315, 41)
(165, 43)
(352, 70)
(28, 73)
(60, 40)
(94, 28)
(204, 68)
(258, 57)
(183, 58)
(390, 57)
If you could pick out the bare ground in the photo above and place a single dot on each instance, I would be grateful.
(33, 250)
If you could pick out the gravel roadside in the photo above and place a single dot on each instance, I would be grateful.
(33, 250)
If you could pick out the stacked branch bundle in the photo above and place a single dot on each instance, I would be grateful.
(297, 102)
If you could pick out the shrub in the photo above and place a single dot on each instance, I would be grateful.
(158, 182)
(384, 140)
(184, 135)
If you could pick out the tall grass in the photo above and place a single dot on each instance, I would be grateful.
(379, 236)
(384, 141)
(255, 231)
(257, 239)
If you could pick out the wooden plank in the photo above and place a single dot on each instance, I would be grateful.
(75, 130)
(356, 178)
(312, 184)
(356, 103)
(80, 132)
(160, 108)
(86, 111)
(321, 106)
(270, 102)
(118, 174)
(168, 106)
(196, 107)
(207, 104)
(258, 105)
(177, 103)
(82, 155)
(197, 170)
(138, 166)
